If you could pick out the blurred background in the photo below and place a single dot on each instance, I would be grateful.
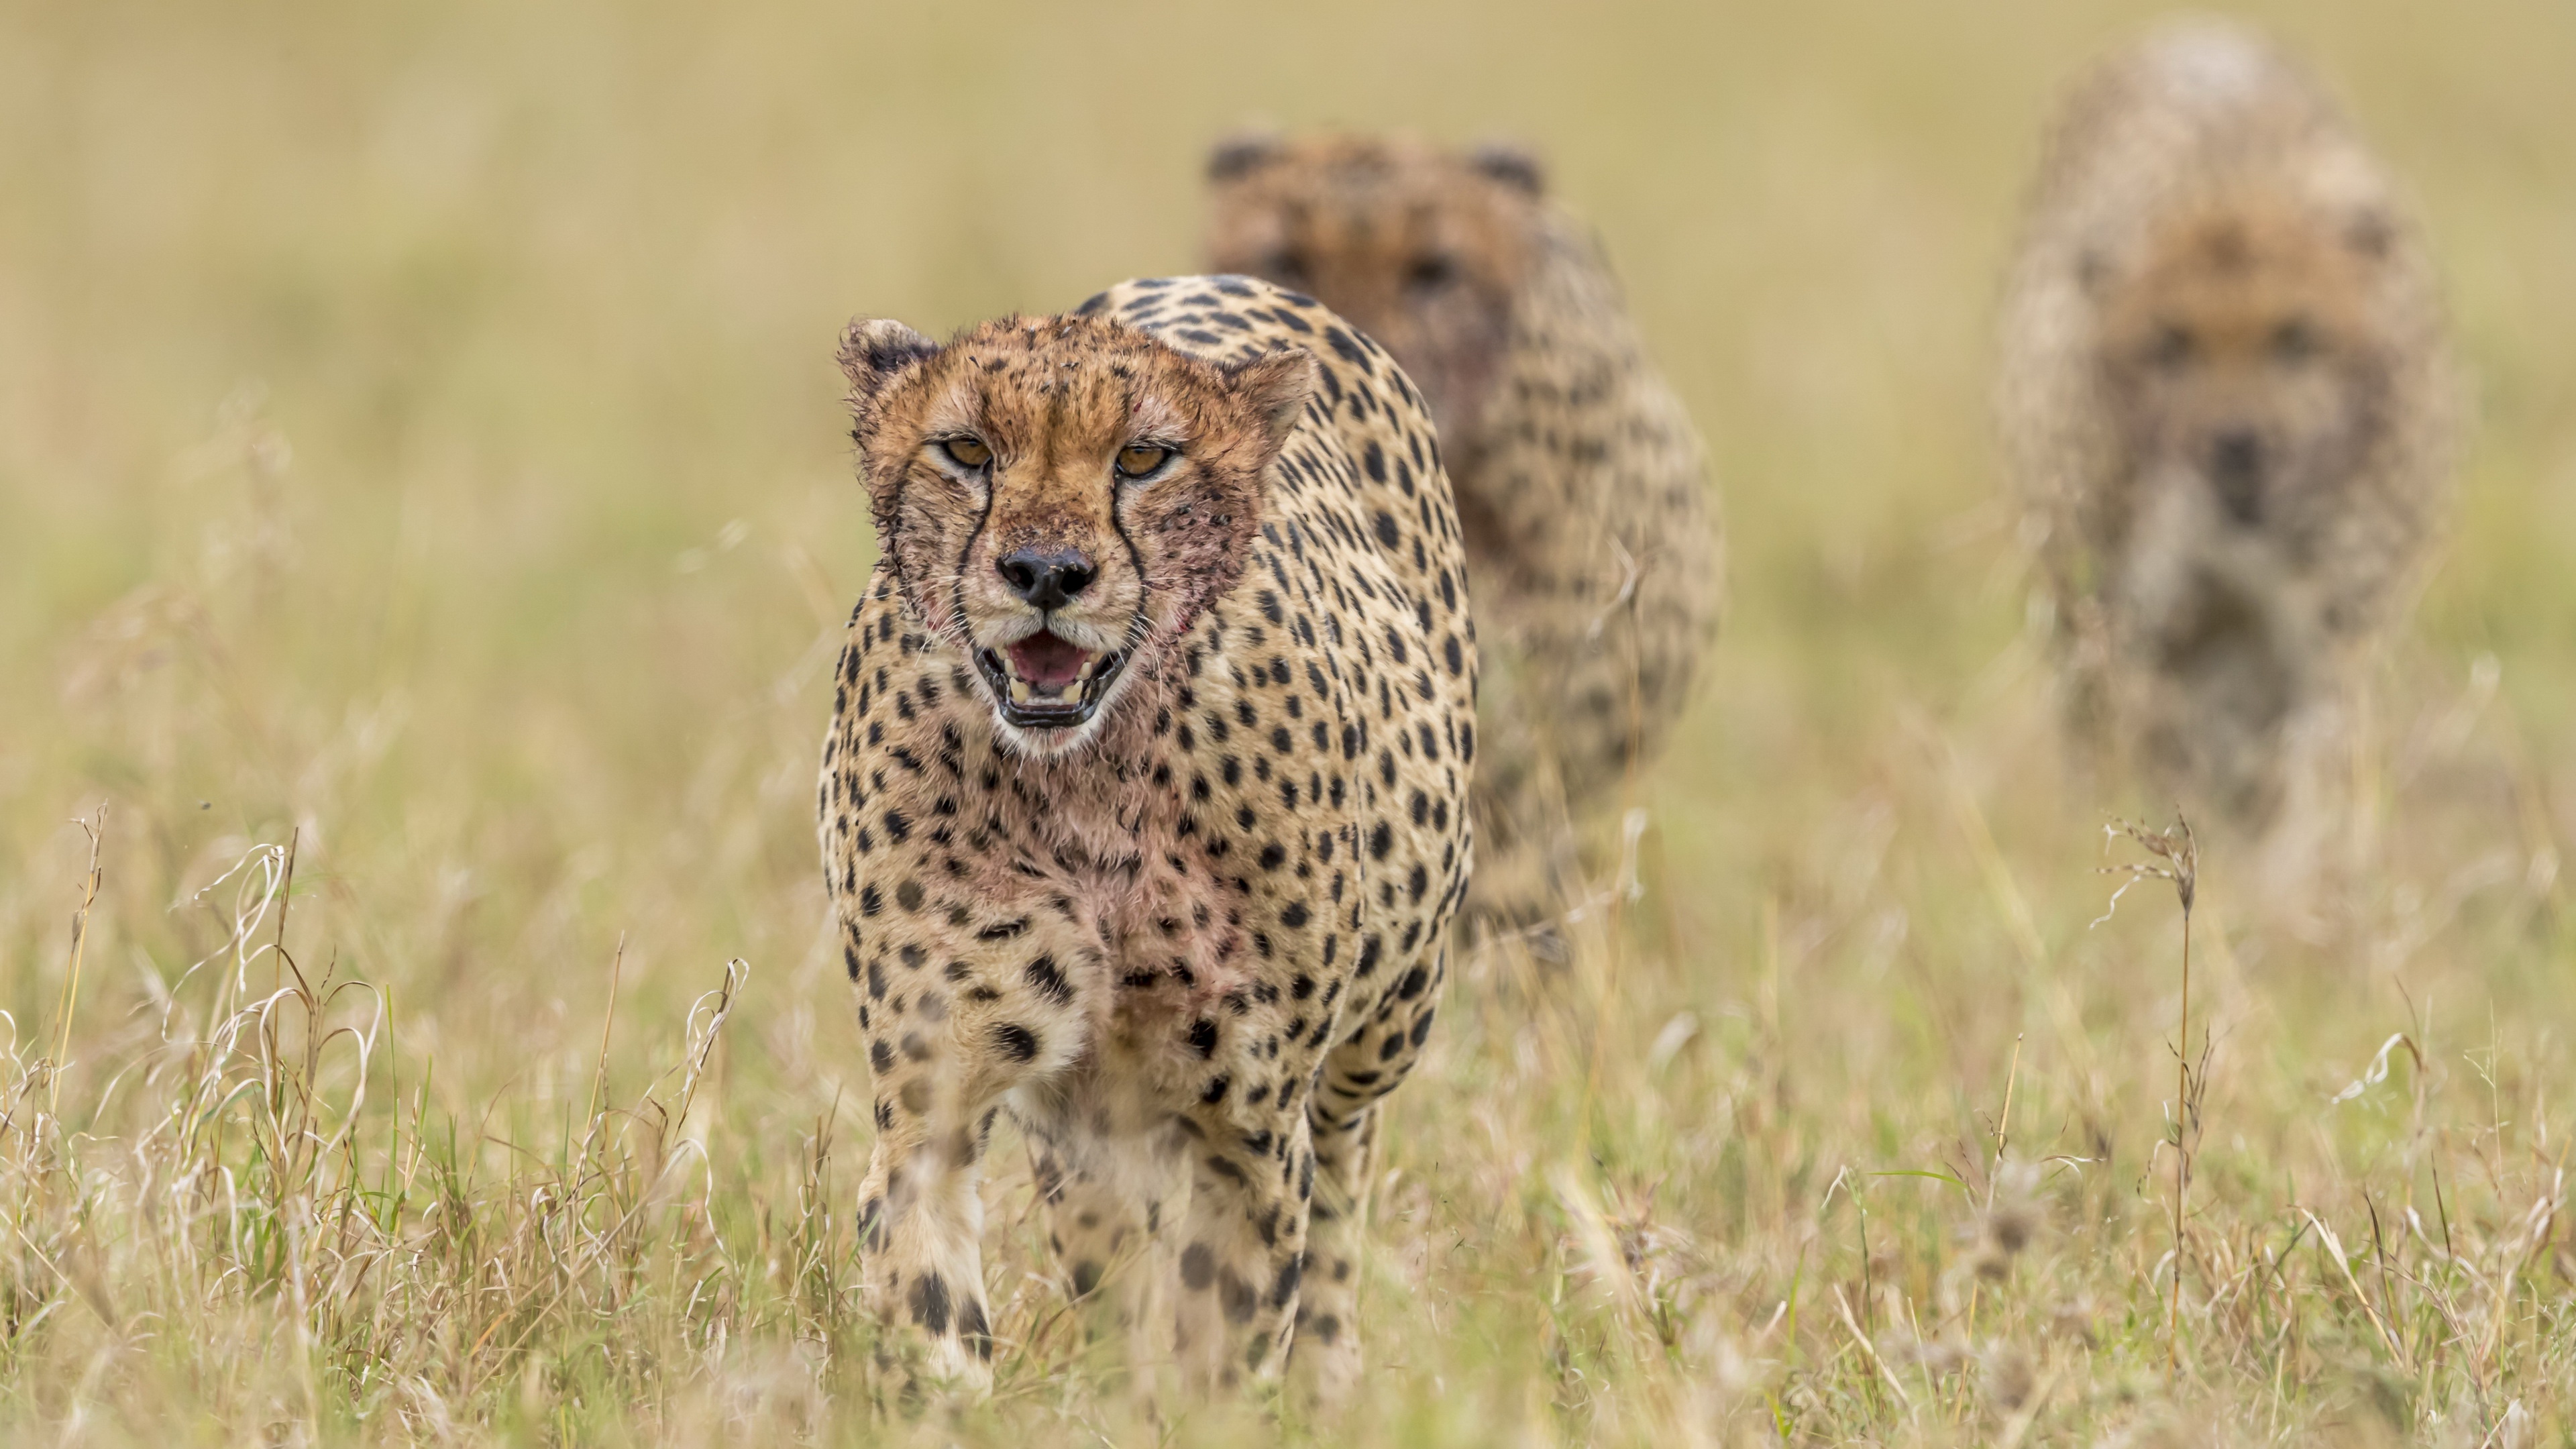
(418, 432)
(417, 423)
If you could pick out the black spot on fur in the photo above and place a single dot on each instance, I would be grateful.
(1049, 980)
(1239, 1298)
(930, 1303)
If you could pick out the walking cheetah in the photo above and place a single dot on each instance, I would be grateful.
(2226, 403)
(1591, 530)
(1143, 808)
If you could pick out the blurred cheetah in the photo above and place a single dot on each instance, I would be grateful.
(2225, 398)
(1144, 808)
(1591, 529)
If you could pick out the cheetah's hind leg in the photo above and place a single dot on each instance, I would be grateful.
(1365, 1065)
(1324, 1362)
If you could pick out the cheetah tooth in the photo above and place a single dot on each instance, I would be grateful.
(1019, 691)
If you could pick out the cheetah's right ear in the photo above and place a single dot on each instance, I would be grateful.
(1243, 153)
(874, 349)
(1275, 387)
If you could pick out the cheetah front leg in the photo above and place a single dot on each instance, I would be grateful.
(920, 1226)
(1244, 1245)
(1113, 1206)
(946, 1045)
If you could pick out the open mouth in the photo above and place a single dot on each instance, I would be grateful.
(1045, 682)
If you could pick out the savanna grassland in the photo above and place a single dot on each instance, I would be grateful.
(421, 467)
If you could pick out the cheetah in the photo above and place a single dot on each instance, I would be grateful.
(2226, 403)
(1591, 529)
(1144, 810)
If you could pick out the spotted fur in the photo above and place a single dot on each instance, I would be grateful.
(1190, 943)
(1591, 528)
(2226, 400)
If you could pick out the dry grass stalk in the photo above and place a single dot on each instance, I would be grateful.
(94, 828)
(2176, 858)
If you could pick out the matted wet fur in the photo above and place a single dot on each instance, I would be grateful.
(1144, 809)
(2226, 403)
(1591, 528)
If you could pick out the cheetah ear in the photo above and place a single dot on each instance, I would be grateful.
(1513, 165)
(1275, 388)
(1243, 153)
(874, 350)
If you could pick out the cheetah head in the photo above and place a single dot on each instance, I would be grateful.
(1420, 248)
(2246, 358)
(1061, 496)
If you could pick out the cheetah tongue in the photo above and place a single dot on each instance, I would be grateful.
(1049, 665)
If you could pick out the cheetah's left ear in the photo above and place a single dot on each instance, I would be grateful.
(1275, 387)
(1514, 166)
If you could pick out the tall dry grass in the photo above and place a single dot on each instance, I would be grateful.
(419, 462)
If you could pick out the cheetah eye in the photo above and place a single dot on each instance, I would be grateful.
(2294, 341)
(1430, 273)
(1136, 460)
(967, 452)
(2172, 348)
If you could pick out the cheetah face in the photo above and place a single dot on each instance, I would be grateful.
(1061, 497)
(1421, 249)
(2243, 366)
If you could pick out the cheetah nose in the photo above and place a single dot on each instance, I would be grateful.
(1047, 580)
(2236, 471)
